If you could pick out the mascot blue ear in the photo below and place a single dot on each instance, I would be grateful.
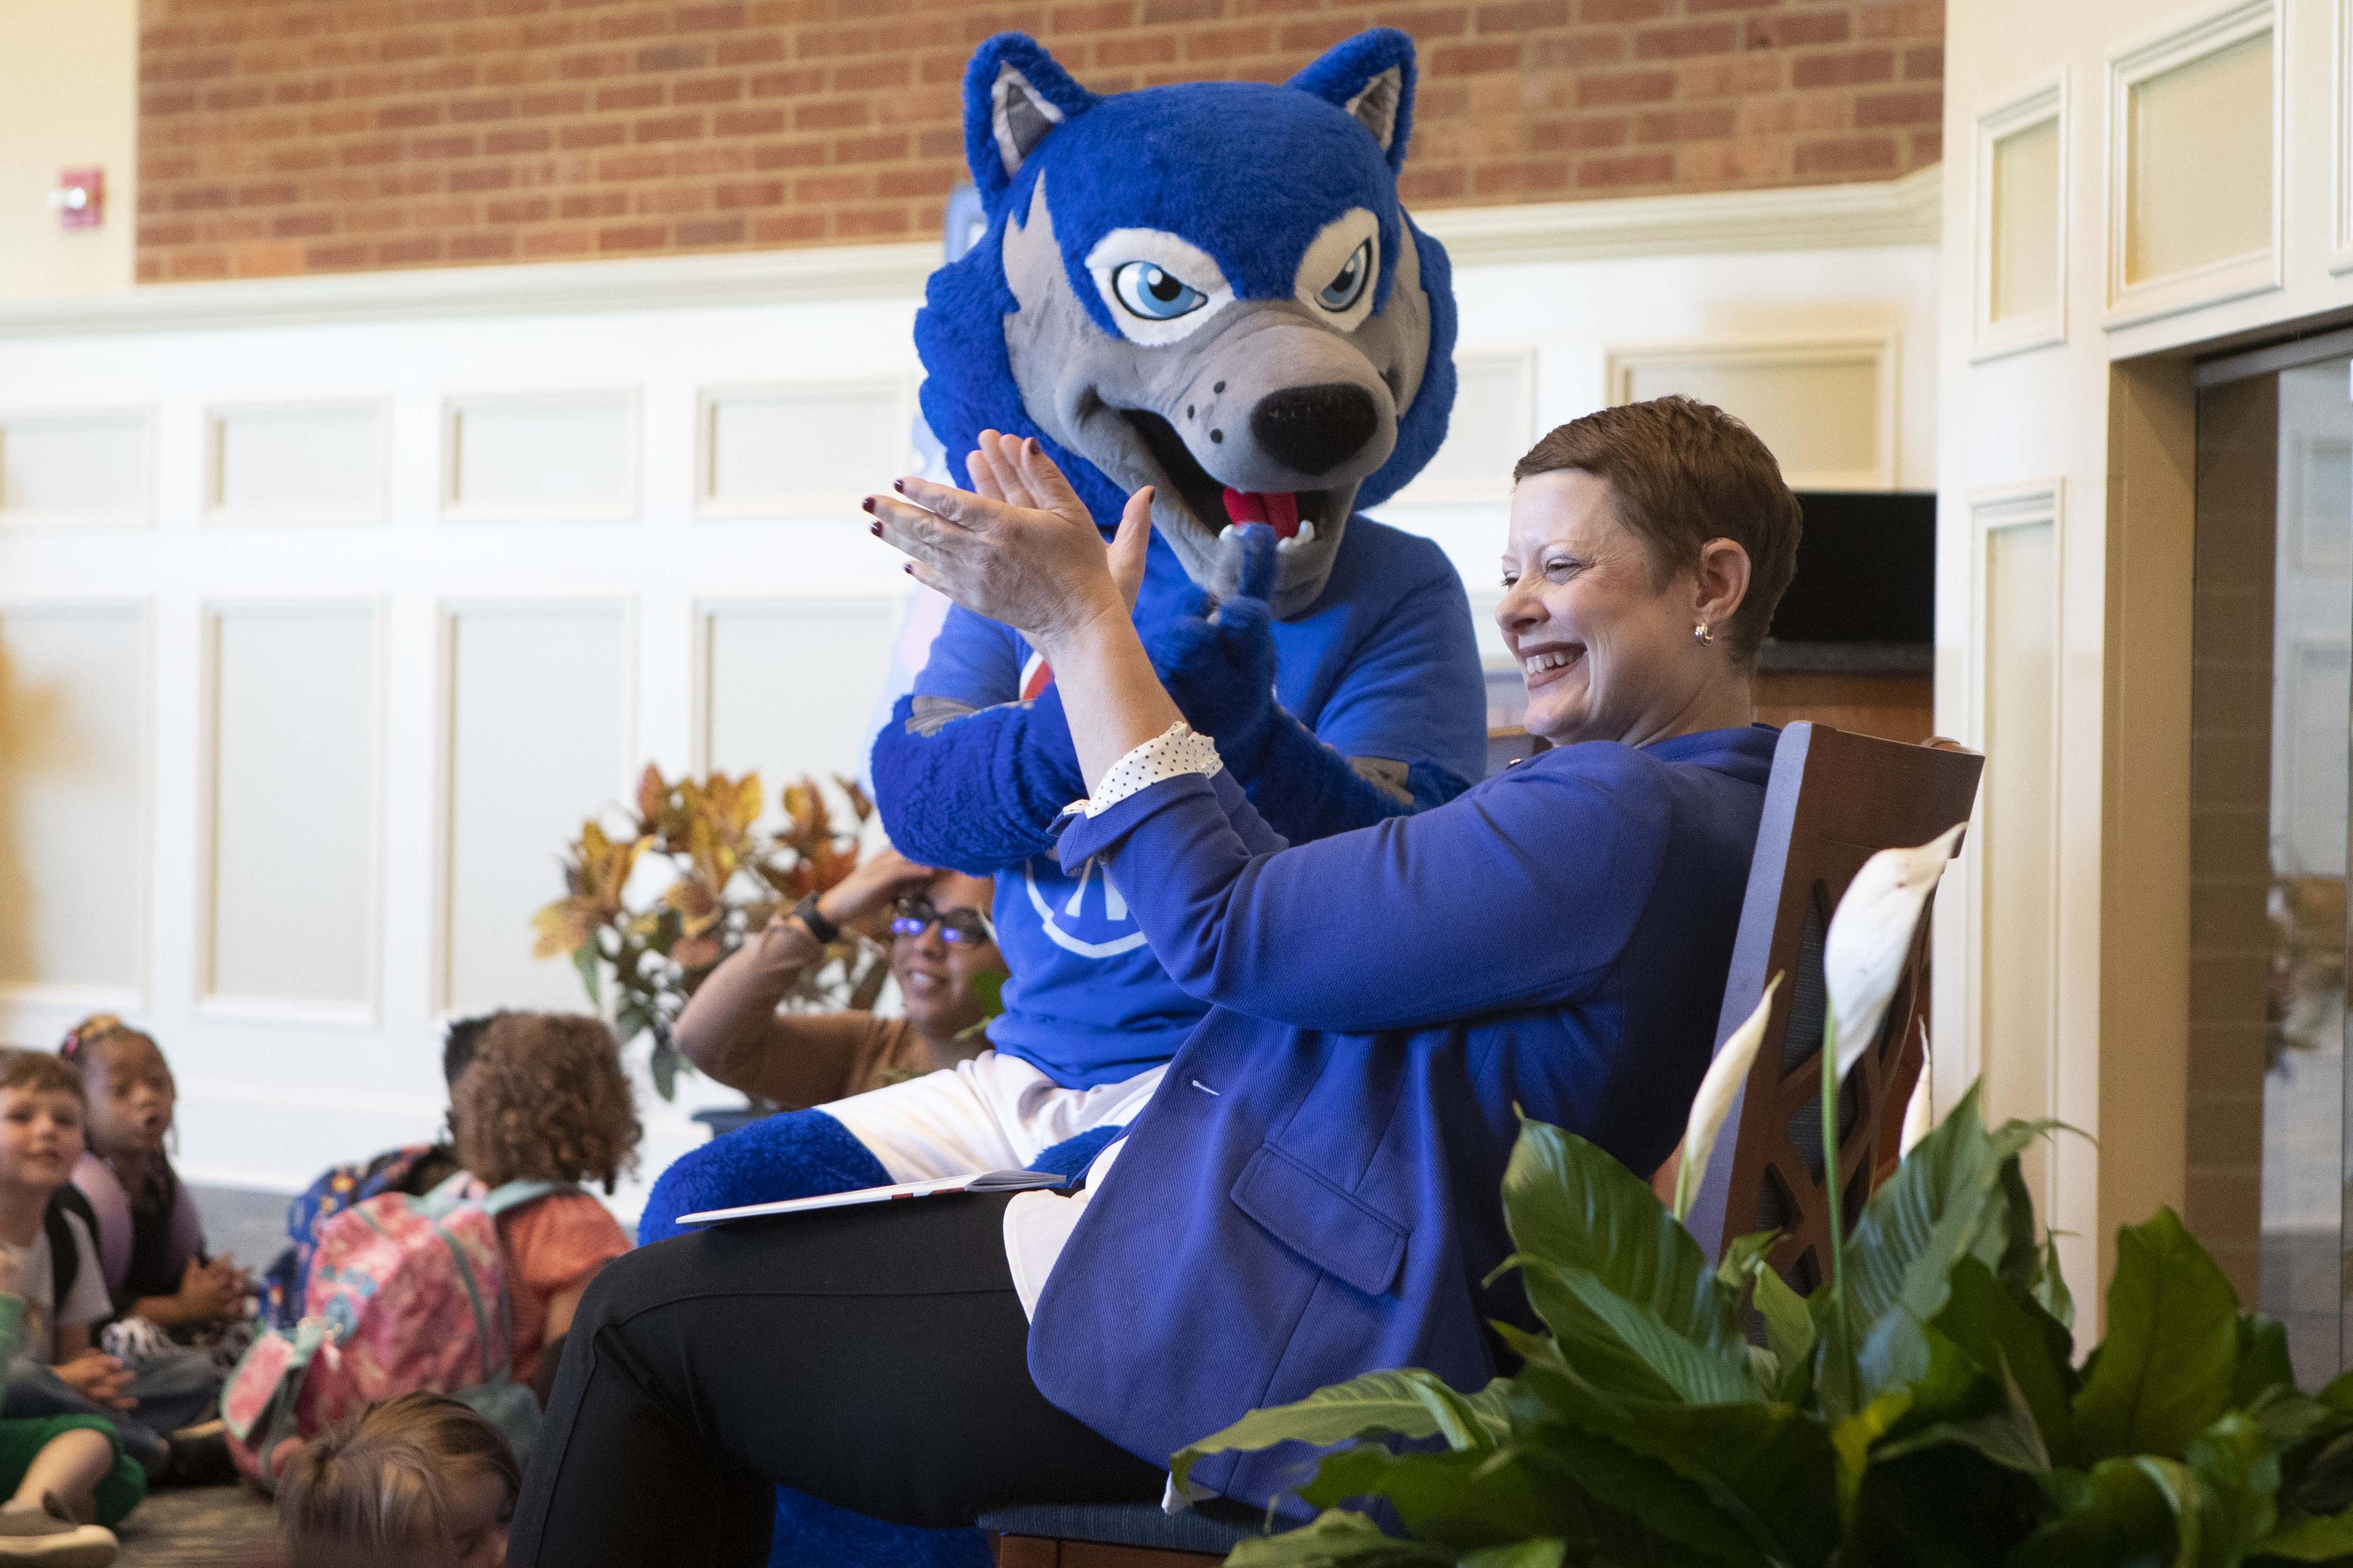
(1371, 76)
(1014, 96)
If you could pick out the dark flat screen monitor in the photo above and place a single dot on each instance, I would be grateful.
(1866, 569)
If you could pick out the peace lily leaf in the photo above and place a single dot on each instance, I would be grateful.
(1696, 1373)
(1410, 1404)
(2165, 1369)
(1569, 1204)
(2263, 1363)
(1717, 1090)
(1788, 1327)
(1526, 1555)
(1944, 1202)
(1470, 1499)
(2119, 1516)
(2323, 1479)
(2050, 1284)
(1996, 1333)
(1871, 936)
(2238, 1474)
(1766, 1467)
(1336, 1536)
(2307, 1538)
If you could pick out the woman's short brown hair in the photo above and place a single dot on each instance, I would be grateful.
(373, 1488)
(1683, 473)
(544, 1100)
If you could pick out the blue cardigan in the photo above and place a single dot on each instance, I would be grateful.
(1312, 1192)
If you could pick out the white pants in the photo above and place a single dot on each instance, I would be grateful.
(994, 1113)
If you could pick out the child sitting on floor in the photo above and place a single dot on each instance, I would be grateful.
(544, 1099)
(59, 1369)
(150, 1243)
(420, 1481)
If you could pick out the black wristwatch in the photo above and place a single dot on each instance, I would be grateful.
(824, 929)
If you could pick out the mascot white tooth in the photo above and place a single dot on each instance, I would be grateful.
(1212, 288)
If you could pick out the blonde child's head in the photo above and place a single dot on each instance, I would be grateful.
(420, 1481)
(41, 1116)
(544, 1099)
(129, 1086)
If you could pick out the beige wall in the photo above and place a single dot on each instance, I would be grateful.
(2086, 413)
(68, 97)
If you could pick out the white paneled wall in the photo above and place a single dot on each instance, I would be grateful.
(538, 733)
(74, 770)
(289, 812)
(791, 681)
(339, 601)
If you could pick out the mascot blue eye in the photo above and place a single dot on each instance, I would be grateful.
(1154, 292)
(1349, 286)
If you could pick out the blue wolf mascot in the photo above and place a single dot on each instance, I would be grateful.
(1211, 288)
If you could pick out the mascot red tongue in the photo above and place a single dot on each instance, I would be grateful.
(1279, 510)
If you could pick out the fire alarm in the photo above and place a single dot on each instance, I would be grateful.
(79, 198)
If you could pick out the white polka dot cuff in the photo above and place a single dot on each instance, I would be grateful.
(1180, 748)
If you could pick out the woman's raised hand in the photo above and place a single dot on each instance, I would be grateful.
(1019, 547)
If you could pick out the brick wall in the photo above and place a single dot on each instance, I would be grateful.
(283, 136)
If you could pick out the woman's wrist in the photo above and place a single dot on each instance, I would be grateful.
(1101, 622)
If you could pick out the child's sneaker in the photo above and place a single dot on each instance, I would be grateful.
(50, 1536)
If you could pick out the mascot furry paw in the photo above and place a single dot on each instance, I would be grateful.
(1210, 288)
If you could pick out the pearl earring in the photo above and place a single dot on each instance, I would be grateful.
(1701, 634)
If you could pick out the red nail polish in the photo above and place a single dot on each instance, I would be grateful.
(908, 569)
(866, 505)
(877, 529)
(899, 485)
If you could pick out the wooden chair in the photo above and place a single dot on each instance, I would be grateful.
(1833, 801)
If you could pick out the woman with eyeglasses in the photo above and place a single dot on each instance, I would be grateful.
(734, 1031)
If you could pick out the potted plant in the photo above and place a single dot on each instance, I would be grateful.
(1925, 1405)
(648, 942)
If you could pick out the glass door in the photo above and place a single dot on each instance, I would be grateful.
(2272, 725)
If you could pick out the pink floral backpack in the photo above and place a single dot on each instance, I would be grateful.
(403, 1294)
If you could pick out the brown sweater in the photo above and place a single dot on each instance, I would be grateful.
(732, 1032)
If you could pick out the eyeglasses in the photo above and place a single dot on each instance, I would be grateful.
(916, 916)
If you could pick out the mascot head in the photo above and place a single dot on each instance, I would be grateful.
(1208, 288)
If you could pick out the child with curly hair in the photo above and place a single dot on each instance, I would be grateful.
(544, 1099)
(420, 1481)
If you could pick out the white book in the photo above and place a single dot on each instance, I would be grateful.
(931, 1187)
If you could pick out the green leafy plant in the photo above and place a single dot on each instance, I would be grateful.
(1922, 1408)
(1937, 1417)
(728, 878)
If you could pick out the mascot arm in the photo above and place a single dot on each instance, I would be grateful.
(1404, 732)
(978, 794)
(965, 775)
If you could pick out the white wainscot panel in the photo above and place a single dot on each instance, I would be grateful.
(2016, 698)
(540, 456)
(83, 470)
(2194, 163)
(1825, 406)
(295, 465)
(74, 719)
(1491, 428)
(798, 451)
(291, 898)
(2021, 198)
(790, 686)
(538, 738)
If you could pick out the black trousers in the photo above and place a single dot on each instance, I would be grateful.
(875, 1358)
